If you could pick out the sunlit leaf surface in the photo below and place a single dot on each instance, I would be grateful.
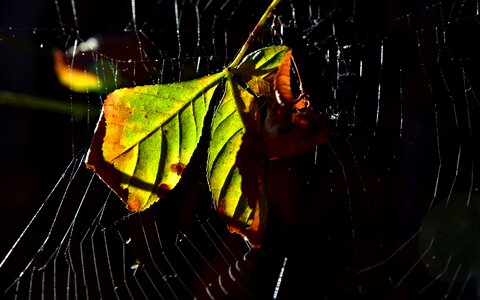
(146, 136)
(236, 178)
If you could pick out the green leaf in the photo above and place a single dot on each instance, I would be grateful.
(226, 138)
(236, 178)
(263, 62)
(146, 136)
(224, 174)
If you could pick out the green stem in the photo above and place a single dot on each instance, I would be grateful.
(254, 32)
(33, 102)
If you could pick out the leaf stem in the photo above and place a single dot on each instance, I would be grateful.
(33, 102)
(254, 32)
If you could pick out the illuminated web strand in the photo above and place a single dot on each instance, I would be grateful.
(124, 264)
(401, 103)
(183, 237)
(197, 16)
(168, 261)
(30, 286)
(454, 180)
(37, 213)
(225, 3)
(436, 278)
(337, 66)
(75, 164)
(43, 283)
(439, 168)
(141, 51)
(92, 244)
(391, 256)
(152, 283)
(472, 176)
(60, 20)
(199, 37)
(357, 94)
(139, 284)
(416, 263)
(267, 14)
(177, 23)
(459, 9)
(293, 11)
(279, 279)
(464, 286)
(68, 232)
(156, 266)
(229, 20)
(213, 35)
(454, 279)
(216, 247)
(70, 264)
(468, 90)
(437, 134)
(379, 89)
(207, 5)
(72, 120)
(450, 96)
(213, 236)
(216, 239)
(134, 15)
(109, 263)
(310, 12)
(177, 244)
(69, 229)
(359, 174)
(212, 268)
(75, 18)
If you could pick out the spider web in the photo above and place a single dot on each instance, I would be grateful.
(388, 209)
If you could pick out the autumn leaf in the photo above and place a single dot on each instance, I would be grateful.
(291, 126)
(146, 136)
(77, 80)
(235, 178)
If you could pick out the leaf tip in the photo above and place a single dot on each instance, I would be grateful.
(133, 203)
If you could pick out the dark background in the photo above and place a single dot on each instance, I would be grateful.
(349, 220)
